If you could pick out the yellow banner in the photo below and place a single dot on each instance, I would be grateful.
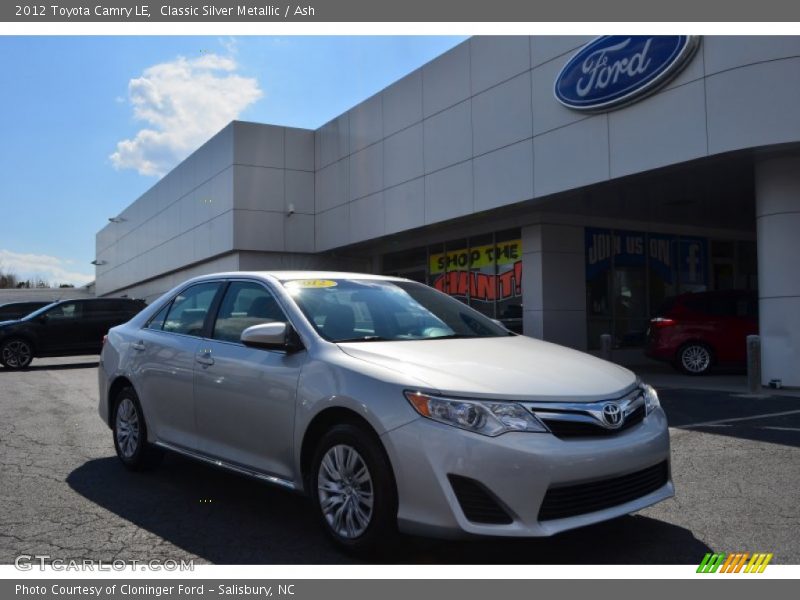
(477, 257)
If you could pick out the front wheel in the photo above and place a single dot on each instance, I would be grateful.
(695, 359)
(353, 489)
(130, 433)
(16, 354)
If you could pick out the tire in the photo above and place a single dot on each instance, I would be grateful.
(694, 358)
(130, 433)
(16, 353)
(349, 468)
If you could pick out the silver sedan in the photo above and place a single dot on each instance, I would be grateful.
(391, 405)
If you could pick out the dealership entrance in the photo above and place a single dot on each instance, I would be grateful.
(599, 260)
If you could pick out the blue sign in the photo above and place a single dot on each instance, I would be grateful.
(615, 70)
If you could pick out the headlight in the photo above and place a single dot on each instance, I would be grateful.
(650, 399)
(485, 417)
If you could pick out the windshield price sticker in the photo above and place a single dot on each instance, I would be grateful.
(311, 283)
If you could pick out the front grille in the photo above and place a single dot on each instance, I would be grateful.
(572, 429)
(571, 500)
(477, 503)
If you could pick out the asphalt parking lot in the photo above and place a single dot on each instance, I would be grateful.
(63, 493)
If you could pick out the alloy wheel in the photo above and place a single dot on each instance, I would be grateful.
(17, 354)
(695, 359)
(127, 428)
(345, 491)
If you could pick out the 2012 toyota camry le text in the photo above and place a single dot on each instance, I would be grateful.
(390, 404)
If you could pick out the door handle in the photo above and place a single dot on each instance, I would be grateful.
(138, 345)
(204, 358)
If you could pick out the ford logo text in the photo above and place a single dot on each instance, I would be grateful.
(615, 70)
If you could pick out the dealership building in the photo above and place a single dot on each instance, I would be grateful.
(565, 185)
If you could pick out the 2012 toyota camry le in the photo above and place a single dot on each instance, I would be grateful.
(390, 404)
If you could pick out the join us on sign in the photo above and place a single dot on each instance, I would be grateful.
(615, 70)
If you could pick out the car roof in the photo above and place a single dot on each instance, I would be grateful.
(290, 275)
(17, 303)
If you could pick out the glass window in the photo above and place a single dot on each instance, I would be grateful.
(189, 309)
(408, 263)
(369, 310)
(102, 307)
(66, 311)
(747, 266)
(245, 304)
(457, 261)
(157, 322)
(692, 259)
(482, 275)
(507, 255)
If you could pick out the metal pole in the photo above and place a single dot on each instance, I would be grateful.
(753, 364)
(605, 346)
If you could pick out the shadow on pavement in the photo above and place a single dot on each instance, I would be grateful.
(227, 519)
(690, 409)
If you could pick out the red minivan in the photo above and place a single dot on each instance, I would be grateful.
(696, 331)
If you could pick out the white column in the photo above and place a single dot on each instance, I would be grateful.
(778, 229)
(554, 284)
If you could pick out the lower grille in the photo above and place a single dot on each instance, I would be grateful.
(477, 503)
(571, 500)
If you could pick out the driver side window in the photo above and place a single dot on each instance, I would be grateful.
(245, 304)
(65, 312)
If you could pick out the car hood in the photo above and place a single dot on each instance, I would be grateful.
(514, 368)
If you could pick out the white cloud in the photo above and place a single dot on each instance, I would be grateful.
(183, 103)
(42, 266)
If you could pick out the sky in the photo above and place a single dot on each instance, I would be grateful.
(87, 124)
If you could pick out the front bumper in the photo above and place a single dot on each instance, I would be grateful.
(517, 469)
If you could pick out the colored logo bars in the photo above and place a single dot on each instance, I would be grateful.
(735, 562)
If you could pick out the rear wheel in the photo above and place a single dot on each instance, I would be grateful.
(695, 359)
(16, 353)
(130, 433)
(353, 489)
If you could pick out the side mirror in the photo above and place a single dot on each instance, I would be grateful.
(271, 336)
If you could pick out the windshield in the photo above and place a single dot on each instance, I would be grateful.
(39, 311)
(352, 310)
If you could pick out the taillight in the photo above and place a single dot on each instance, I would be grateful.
(661, 322)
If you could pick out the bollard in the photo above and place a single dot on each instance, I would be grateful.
(753, 364)
(605, 346)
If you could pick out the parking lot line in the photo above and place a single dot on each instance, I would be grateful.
(737, 419)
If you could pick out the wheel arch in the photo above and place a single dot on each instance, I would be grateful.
(320, 424)
(25, 337)
(120, 382)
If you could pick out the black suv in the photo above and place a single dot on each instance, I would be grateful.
(66, 328)
(17, 310)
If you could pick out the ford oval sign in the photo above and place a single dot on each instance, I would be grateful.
(615, 70)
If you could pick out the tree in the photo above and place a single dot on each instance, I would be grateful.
(8, 279)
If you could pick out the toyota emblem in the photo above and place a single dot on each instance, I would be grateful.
(612, 415)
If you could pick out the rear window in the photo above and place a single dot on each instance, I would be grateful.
(111, 306)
